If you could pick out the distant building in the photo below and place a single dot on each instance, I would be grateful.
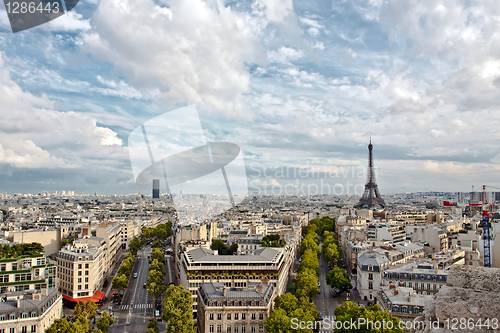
(156, 188)
(234, 310)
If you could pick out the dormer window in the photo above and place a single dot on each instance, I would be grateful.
(370, 267)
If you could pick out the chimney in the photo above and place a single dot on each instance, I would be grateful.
(216, 252)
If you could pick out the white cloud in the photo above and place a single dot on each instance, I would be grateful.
(195, 51)
(35, 135)
(71, 21)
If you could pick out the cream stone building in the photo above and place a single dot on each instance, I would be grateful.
(233, 310)
(80, 270)
(29, 311)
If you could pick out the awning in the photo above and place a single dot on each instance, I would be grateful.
(98, 296)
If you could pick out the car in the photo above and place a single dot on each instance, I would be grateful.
(319, 291)
(144, 285)
(347, 297)
(135, 275)
(320, 316)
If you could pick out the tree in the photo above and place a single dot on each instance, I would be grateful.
(287, 302)
(310, 261)
(87, 310)
(157, 254)
(309, 243)
(104, 322)
(120, 282)
(156, 289)
(156, 266)
(307, 284)
(134, 245)
(338, 279)
(178, 311)
(278, 322)
(222, 248)
(153, 326)
(81, 325)
(348, 311)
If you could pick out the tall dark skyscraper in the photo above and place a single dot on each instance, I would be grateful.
(371, 197)
(156, 189)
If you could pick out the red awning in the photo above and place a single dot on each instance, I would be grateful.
(98, 296)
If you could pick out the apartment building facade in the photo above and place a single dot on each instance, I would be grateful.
(29, 311)
(201, 266)
(80, 269)
(233, 310)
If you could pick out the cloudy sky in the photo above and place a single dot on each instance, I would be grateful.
(298, 85)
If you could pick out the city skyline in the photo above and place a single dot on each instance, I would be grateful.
(297, 86)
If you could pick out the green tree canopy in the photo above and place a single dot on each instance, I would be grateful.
(222, 248)
(86, 310)
(309, 261)
(307, 284)
(177, 310)
(339, 279)
(157, 254)
(349, 310)
(104, 322)
(120, 282)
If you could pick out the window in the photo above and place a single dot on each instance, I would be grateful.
(219, 328)
(86, 279)
(236, 318)
(261, 328)
(235, 328)
(79, 280)
(24, 329)
(219, 316)
(243, 316)
(243, 329)
(261, 316)
(33, 314)
(86, 265)
(211, 330)
(86, 286)
(228, 329)
(12, 316)
(86, 272)
(370, 285)
(24, 315)
(79, 273)
(370, 276)
(79, 266)
(12, 330)
(253, 316)
(3, 267)
(79, 287)
(228, 316)
(14, 267)
(253, 329)
(2, 317)
(211, 316)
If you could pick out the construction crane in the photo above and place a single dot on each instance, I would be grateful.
(486, 227)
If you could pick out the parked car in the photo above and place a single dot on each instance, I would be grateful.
(144, 285)
(135, 275)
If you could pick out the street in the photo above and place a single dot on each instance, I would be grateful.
(137, 305)
(325, 303)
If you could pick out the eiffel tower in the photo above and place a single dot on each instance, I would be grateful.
(371, 197)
